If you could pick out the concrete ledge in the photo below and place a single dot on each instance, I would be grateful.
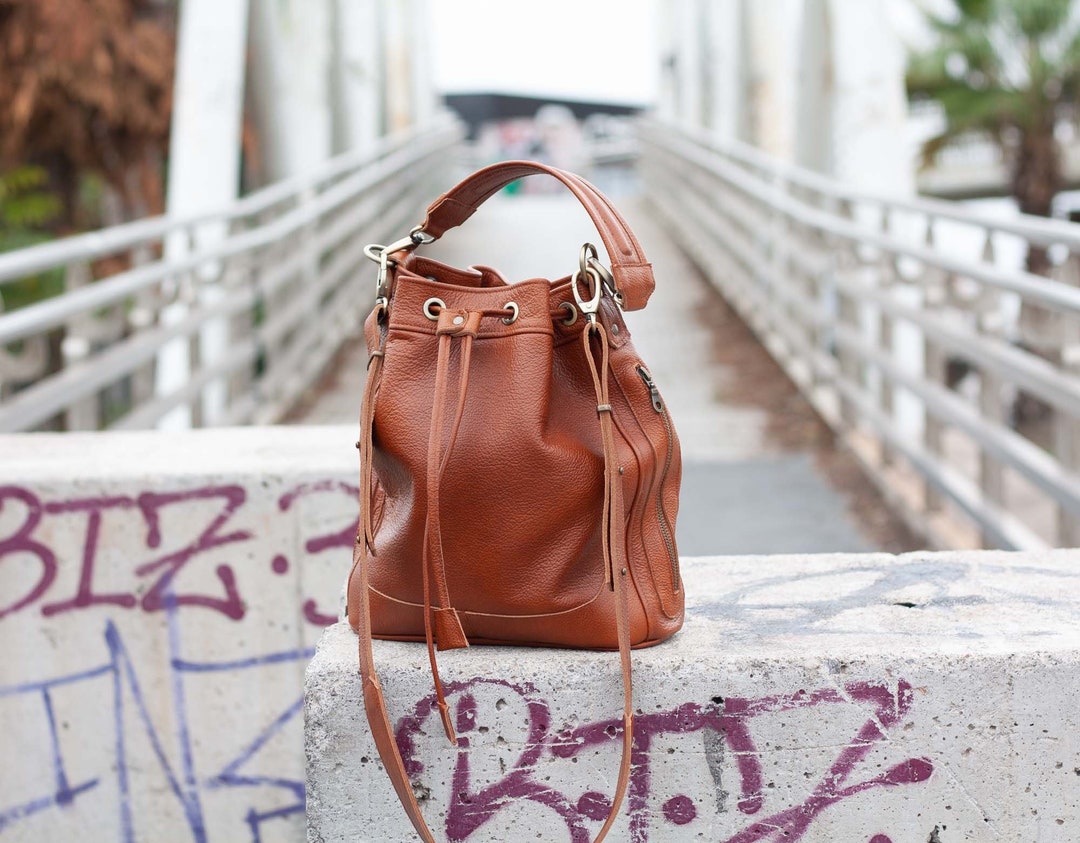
(160, 595)
(852, 698)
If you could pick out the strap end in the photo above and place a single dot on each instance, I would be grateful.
(448, 630)
(448, 726)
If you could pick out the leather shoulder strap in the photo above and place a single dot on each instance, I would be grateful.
(632, 272)
(614, 546)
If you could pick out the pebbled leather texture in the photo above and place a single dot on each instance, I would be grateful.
(522, 488)
(519, 476)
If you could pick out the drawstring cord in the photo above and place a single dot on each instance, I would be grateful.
(441, 622)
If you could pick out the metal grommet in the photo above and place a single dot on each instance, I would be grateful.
(434, 317)
(572, 318)
(514, 311)
(615, 328)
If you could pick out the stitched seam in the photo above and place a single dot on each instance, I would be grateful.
(420, 606)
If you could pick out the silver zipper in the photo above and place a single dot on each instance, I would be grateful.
(661, 516)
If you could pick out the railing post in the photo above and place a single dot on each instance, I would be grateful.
(1066, 426)
(173, 365)
(991, 386)
(1067, 448)
(848, 316)
(142, 316)
(934, 366)
(76, 346)
(31, 362)
(886, 279)
(778, 261)
(991, 472)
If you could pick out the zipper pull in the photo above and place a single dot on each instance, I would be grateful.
(654, 393)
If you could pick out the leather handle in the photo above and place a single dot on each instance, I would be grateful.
(632, 272)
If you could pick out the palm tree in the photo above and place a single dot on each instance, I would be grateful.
(1007, 70)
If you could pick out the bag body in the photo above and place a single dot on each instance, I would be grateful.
(519, 469)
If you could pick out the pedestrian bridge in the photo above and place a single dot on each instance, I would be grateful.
(847, 372)
(947, 372)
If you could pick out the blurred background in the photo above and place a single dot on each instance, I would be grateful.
(860, 211)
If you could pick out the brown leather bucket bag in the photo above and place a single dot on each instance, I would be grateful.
(519, 470)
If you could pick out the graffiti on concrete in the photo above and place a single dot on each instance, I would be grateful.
(185, 785)
(726, 726)
(127, 580)
(206, 515)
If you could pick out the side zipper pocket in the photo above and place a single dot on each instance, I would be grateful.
(661, 515)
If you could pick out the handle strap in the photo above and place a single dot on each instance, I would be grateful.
(632, 272)
(614, 553)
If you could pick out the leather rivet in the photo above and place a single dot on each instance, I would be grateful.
(459, 320)
(622, 470)
(624, 572)
(615, 330)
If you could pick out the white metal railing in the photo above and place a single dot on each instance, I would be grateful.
(278, 277)
(910, 325)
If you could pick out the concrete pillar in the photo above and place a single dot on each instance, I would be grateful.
(773, 28)
(208, 106)
(291, 46)
(204, 168)
(689, 63)
(726, 66)
(424, 99)
(667, 103)
(398, 68)
(815, 86)
(866, 698)
(357, 82)
(870, 113)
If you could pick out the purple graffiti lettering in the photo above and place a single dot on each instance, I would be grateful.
(730, 720)
(171, 564)
(594, 805)
(792, 824)
(341, 539)
(23, 547)
(685, 718)
(470, 810)
(21, 541)
(680, 810)
(151, 506)
(85, 595)
(313, 616)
